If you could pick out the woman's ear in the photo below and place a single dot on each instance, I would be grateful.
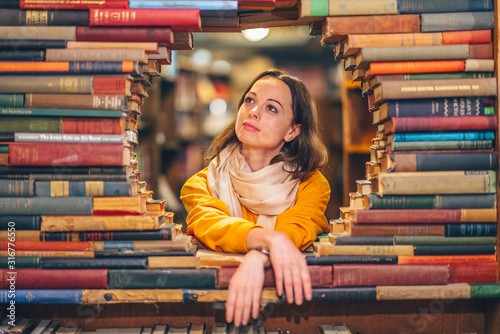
(294, 132)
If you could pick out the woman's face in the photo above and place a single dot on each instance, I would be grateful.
(265, 118)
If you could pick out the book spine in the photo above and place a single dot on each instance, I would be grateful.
(201, 5)
(22, 222)
(445, 259)
(82, 263)
(43, 254)
(430, 292)
(46, 84)
(67, 296)
(417, 240)
(46, 206)
(439, 107)
(362, 240)
(20, 262)
(72, 67)
(59, 112)
(92, 125)
(393, 90)
(417, 66)
(454, 250)
(466, 37)
(75, 101)
(401, 202)
(438, 182)
(31, 44)
(473, 272)
(351, 259)
(72, 4)
(96, 55)
(369, 275)
(444, 161)
(396, 229)
(178, 19)
(417, 124)
(16, 188)
(63, 138)
(31, 124)
(14, 17)
(424, 216)
(374, 7)
(442, 145)
(124, 34)
(25, 55)
(344, 294)
(485, 290)
(431, 22)
(443, 6)
(82, 188)
(28, 278)
(50, 245)
(63, 154)
(175, 278)
(445, 136)
(163, 234)
(67, 33)
(12, 100)
(473, 230)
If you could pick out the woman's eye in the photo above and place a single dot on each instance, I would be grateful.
(273, 109)
(248, 100)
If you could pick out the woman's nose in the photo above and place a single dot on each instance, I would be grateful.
(254, 112)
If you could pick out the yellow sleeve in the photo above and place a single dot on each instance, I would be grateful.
(209, 218)
(306, 219)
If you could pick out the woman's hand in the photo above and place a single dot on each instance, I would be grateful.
(290, 269)
(245, 289)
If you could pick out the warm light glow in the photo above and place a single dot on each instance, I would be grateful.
(218, 107)
(255, 35)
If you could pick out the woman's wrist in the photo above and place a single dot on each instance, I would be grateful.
(262, 254)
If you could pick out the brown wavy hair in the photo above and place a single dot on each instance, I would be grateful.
(307, 152)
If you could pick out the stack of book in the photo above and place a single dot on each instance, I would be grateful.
(426, 214)
(74, 211)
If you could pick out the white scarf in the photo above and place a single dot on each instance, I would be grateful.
(266, 192)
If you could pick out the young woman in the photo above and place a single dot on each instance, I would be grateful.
(262, 193)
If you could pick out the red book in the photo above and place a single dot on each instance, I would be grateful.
(62, 154)
(321, 276)
(466, 37)
(445, 259)
(473, 272)
(178, 19)
(428, 66)
(414, 124)
(48, 245)
(72, 4)
(112, 85)
(124, 34)
(93, 125)
(395, 216)
(54, 278)
(381, 274)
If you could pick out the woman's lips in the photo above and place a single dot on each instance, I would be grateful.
(249, 127)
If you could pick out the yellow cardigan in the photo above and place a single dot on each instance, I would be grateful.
(210, 221)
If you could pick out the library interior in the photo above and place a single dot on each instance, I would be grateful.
(109, 106)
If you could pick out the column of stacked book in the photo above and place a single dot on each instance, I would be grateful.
(74, 212)
(423, 223)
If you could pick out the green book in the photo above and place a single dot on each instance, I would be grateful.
(484, 290)
(447, 201)
(60, 112)
(174, 278)
(46, 205)
(20, 262)
(31, 124)
(12, 100)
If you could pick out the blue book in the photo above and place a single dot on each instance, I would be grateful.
(46, 205)
(470, 230)
(25, 222)
(70, 296)
(80, 188)
(344, 294)
(442, 136)
(211, 8)
(94, 263)
(443, 6)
